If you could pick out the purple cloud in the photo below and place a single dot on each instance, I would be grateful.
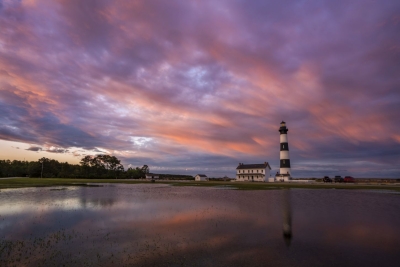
(34, 148)
(184, 85)
(56, 150)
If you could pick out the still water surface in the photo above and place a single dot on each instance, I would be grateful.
(161, 225)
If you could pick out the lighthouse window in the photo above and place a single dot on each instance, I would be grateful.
(283, 161)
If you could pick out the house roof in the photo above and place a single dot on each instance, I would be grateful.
(250, 174)
(202, 175)
(253, 166)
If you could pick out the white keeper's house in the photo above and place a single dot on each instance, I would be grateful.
(253, 172)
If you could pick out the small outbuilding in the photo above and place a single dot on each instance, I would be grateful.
(201, 177)
(152, 176)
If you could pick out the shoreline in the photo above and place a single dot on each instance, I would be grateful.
(51, 182)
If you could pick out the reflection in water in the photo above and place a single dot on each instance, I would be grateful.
(154, 225)
(287, 217)
(96, 202)
(88, 200)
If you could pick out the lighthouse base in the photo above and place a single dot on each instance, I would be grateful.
(283, 177)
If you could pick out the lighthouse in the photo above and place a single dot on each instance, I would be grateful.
(284, 170)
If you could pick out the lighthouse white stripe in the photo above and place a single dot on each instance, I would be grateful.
(284, 171)
(284, 154)
(283, 138)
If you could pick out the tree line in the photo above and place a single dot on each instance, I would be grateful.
(99, 166)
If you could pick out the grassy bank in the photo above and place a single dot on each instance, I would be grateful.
(45, 182)
(271, 186)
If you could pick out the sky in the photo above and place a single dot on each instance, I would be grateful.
(191, 87)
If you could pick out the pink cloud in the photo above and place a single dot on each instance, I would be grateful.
(209, 78)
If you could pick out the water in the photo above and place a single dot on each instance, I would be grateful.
(161, 225)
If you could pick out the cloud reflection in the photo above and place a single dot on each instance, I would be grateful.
(158, 225)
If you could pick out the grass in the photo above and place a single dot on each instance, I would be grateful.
(269, 186)
(46, 182)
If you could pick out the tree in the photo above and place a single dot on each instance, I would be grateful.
(99, 166)
(134, 173)
(42, 161)
(102, 166)
(145, 169)
(85, 161)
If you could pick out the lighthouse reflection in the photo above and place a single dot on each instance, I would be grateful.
(287, 217)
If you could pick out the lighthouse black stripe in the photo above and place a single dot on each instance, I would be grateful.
(285, 163)
(283, 130)
(284, 147)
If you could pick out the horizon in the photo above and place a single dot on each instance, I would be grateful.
(197, 87)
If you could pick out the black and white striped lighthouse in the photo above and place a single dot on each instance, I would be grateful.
(284, 170)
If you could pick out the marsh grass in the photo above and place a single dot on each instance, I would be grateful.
(48, 182)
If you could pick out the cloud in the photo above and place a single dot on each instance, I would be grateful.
(56, 150)
(203, 80)
(77, 154)
(34, 148)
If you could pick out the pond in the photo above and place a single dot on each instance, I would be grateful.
(162, 225)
